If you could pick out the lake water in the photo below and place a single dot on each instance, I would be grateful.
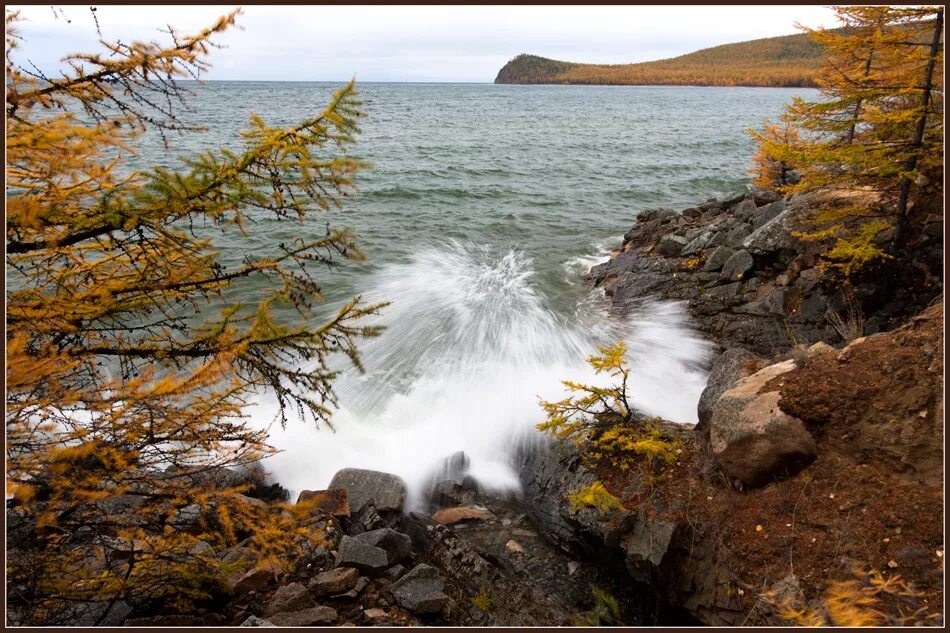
(485, 207)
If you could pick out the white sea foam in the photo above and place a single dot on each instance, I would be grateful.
(469, 349)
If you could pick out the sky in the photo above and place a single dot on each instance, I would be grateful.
(411, 43)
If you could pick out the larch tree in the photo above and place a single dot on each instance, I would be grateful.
(878, 127)
(123, 402)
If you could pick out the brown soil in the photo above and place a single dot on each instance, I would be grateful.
(873, 496)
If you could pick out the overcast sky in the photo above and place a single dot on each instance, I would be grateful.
(413, 43)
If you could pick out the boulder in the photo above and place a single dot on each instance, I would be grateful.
(360, 585)
(186, 518)
(737, 266)
(728, 368)
(691, 212)
(770, 237)
(752, 439)
(764, 196)
(386, 491)
(671, 245)
(420, 590)
(333, 581)
(290, 597)
(621, 263)
(736, 235)
(717, 259)
(394, 573)
(396, 545)
(335, 501)
(765, 214)
(362, 556)
(451, 516)
(312, 616)
(366, 519)
(449, 493)
(100, 613)
(745, 210)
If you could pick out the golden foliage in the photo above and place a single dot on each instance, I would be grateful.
(877, 126)
(594, 496)
(483, 602)
(120, 388)
(605, 610)
(867, 599)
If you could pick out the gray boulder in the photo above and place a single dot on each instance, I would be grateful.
(362, 556)
(770, 237)
(388, 492)
(717, 259)
(745, 209)
(767, 213)
(752, 439)
(420, 591)
(764, 196)
(736, 235)
(728, 368)
(396, 545)
(671, 245)
(737, 266)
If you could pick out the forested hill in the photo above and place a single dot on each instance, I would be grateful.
(789, 60)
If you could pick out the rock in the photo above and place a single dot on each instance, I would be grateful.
(691, 212)
(386, 491)
(745, 210)
(807, 280)
(767, 213)
(100, 613)
(752, 439)
(376, 617)
(671, 245)
(333, 581)
(394, 573)
(396, 545)
(290, 597)
(820, 348)
(660, 214)
(646, 545)
(365, 520)
(186, 518)
(420, 591)
(728, 368)
(514, 547)
(623, 262)
(735, 236)
(451, 516)
(451, 493)
(362, 556)
(252, 580)
(312, 616)
(718, 258)
(737, 266)
(256, 621)
(770, 237)
(334, 502)
(813, 308)
(764, 196)
(360, 585)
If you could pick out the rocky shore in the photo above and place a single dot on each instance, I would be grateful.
(819, 446)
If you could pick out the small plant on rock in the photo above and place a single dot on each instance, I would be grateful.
(483, 601)
(594, 496)
(601, 422)
(605, 611)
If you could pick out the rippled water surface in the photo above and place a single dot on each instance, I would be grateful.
(485, 206)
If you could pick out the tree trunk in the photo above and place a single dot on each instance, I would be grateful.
(912, 161)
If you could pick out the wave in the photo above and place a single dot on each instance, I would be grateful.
(471, 346)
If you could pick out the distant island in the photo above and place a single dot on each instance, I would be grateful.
(787, 61)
